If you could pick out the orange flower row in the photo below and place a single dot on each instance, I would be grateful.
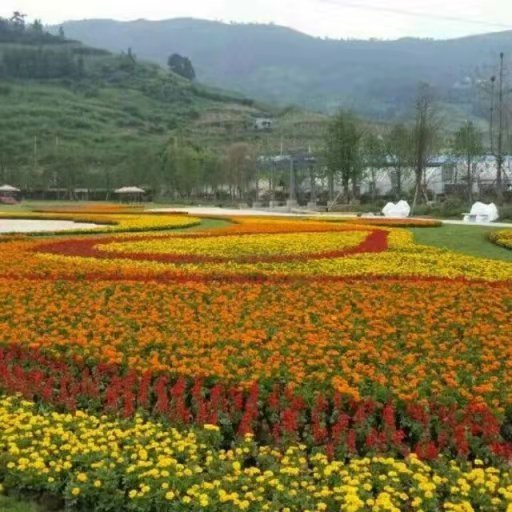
(359, 337)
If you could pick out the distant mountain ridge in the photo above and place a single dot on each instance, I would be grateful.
(281, 65)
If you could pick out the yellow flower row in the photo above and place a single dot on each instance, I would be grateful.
(255, 245)
(112, 222)
(141, 465)
(503, 238)
(403, 258)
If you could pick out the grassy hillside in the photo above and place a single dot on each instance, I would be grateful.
(280, 65)
(75, 116)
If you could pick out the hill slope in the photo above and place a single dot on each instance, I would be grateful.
(277, 64)
(72, 116)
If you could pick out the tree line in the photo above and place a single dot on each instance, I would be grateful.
(16, 30)
(355, 152)
(178, 169)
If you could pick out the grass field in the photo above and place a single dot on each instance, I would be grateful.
(470, 240)
(13, 505)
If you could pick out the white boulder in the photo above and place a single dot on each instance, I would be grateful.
(399, 210)
(490, 210)
(481, 212)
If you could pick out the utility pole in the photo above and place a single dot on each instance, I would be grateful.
(35, 155)
(491, 120)
(499, 156)
(292, 201)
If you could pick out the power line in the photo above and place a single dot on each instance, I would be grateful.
(416, 14)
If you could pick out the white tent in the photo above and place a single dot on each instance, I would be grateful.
(8, 188)
(130, 194)
(129, 190)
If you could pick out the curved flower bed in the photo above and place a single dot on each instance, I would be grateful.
(398, 256)
(118, 222)
(502, 238)
(226, 247)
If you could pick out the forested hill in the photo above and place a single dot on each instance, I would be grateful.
(277, 64)
(73, 115)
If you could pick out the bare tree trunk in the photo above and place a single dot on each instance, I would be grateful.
(417, 189)
(424, 186)
(330, 186)
(346, 190)
(312, 185)
(374, 184)
(470, 183)
(399, 183)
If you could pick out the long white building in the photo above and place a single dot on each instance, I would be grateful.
(445, 176)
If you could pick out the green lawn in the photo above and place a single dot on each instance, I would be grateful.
(13, 505)
(470, 240)
(30, 205)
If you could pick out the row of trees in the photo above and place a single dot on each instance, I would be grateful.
(16, 30)
(178, 170)
(355, 152)
(40, 63)
(40, 55)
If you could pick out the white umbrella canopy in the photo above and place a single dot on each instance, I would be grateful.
(129, 190)
(8, 188)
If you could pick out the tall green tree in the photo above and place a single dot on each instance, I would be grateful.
(425, 139)
(398, 149)
(212, 175)
(467, 144)
(344, 152)
(374, 151)
(18, 21)
(240, 168)
(181, 168)
(181, 66)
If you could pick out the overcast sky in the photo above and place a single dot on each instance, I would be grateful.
(387, 19)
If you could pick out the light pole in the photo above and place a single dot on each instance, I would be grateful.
(491, 121)
(292, 198)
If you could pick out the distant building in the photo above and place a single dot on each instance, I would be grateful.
(263, 123)
(445, 175)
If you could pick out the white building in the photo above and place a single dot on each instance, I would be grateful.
(445, 176)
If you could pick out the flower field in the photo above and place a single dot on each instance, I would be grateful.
(262, 364)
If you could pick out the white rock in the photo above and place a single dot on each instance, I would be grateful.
(483, 210)
(399, 210)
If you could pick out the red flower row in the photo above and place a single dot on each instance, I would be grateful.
(377, 241)
(274, 413)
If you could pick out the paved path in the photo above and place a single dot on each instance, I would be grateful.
(481, 224)
(276, 212)
(284, 212)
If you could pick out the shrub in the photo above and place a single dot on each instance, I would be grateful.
(505, 212)
(453, 208)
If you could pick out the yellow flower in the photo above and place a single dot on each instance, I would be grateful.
(75, 491)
